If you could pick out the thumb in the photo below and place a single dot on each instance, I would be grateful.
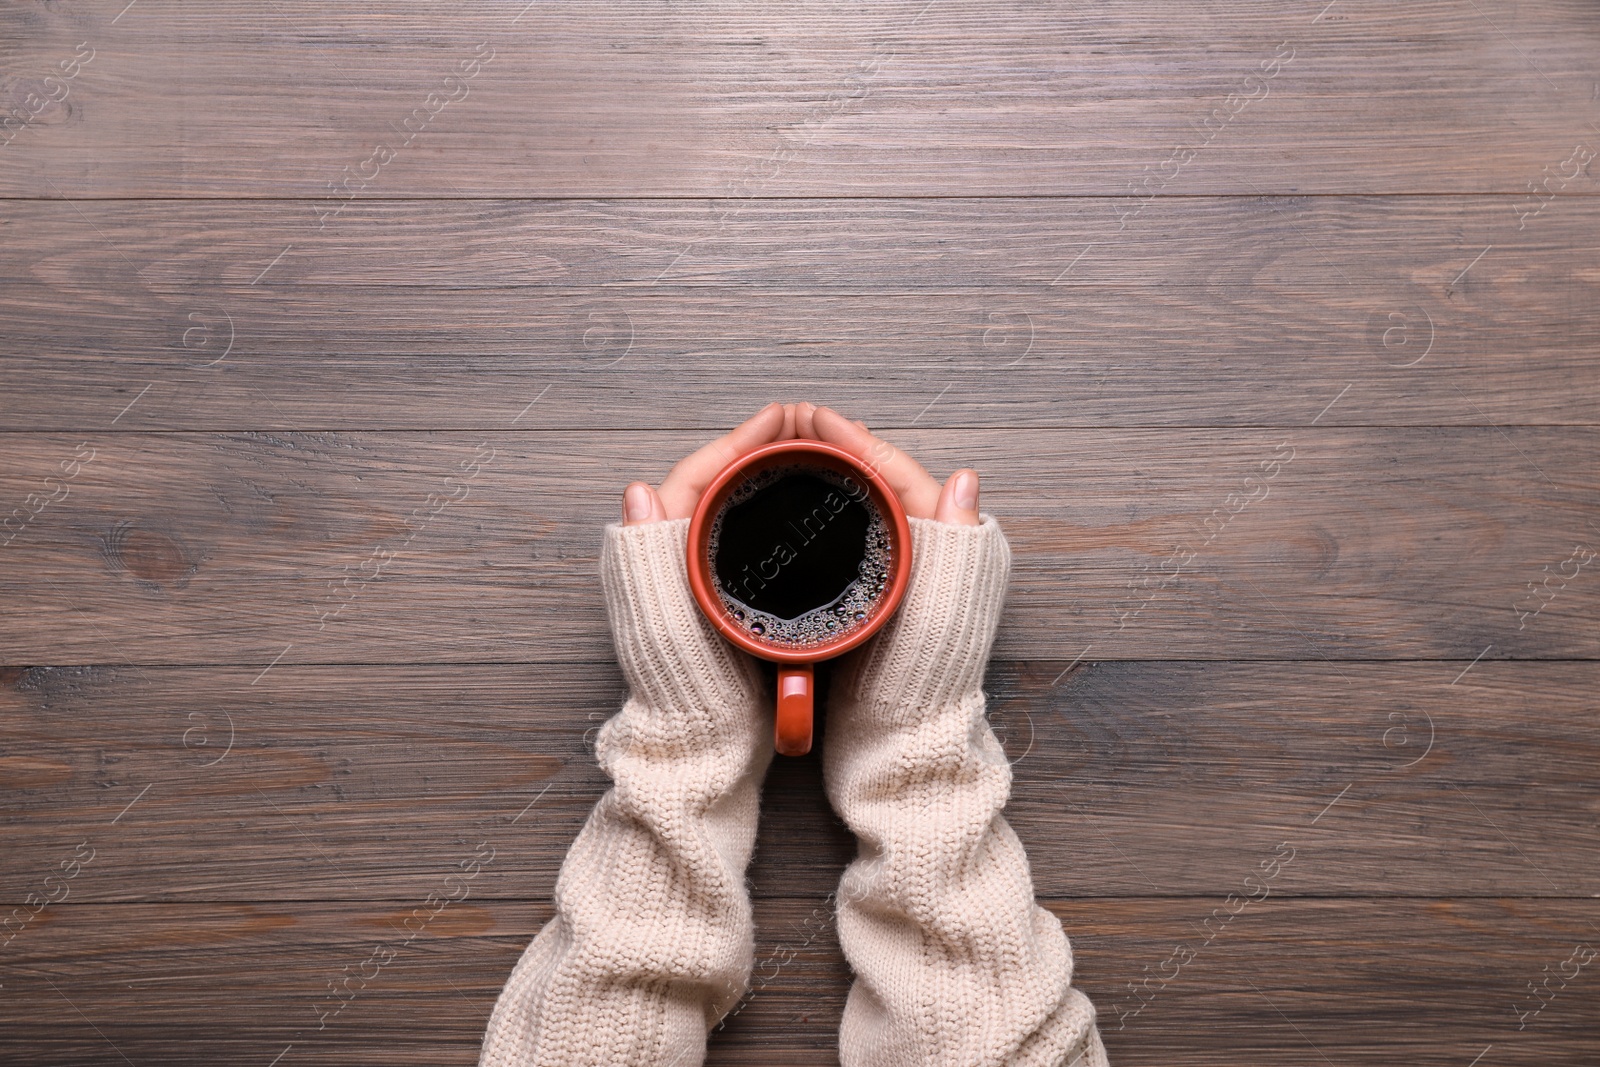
(641, 504)
(958, 501)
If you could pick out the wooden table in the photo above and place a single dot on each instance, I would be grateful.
(331, 333)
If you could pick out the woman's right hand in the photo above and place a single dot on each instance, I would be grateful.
(919, 493)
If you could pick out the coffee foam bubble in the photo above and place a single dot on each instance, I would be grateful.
(830, 622)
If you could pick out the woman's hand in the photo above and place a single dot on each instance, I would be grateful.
(681, 490)
(919, 494)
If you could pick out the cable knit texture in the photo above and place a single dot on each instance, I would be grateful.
(955, 962)
(652, 942)
(652, 938)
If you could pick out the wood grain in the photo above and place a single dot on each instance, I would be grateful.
(1286, 982)
(1225, 311)
(1273, 329)
(639, 99)
(1244, 249)
(1130, 779)
(449, 547)
(388, 359)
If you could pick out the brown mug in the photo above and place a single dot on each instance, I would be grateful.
(823, 632)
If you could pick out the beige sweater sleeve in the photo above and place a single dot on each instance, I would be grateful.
(652, 938)
(956, 964)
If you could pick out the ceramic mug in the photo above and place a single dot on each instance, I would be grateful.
(796, 681)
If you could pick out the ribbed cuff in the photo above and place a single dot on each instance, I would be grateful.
(668, 650)
(934, 651)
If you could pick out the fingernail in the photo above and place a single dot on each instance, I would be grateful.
(636, 503)
(966, 493)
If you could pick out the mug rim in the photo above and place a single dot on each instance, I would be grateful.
(700, 567)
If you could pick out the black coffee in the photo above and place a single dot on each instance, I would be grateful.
(799, 554)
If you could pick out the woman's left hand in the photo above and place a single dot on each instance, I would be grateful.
(681, 490)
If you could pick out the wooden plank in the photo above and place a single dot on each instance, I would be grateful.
(430, 359)
(1131, 779)
(468, 547)
(1269, 245)
(633, 99)
(1230, 312)
(1292, 982)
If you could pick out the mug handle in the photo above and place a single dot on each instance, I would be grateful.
(796, 689)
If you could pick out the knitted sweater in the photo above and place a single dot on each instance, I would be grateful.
(652, 939)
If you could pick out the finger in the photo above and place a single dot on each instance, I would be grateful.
(804, 422)
(640, 504)
(958, 503)
(915, 487)
(681, 489)
(789, 424)
(861, 424)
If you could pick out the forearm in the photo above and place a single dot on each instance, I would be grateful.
(651, 941)
(956, 963)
